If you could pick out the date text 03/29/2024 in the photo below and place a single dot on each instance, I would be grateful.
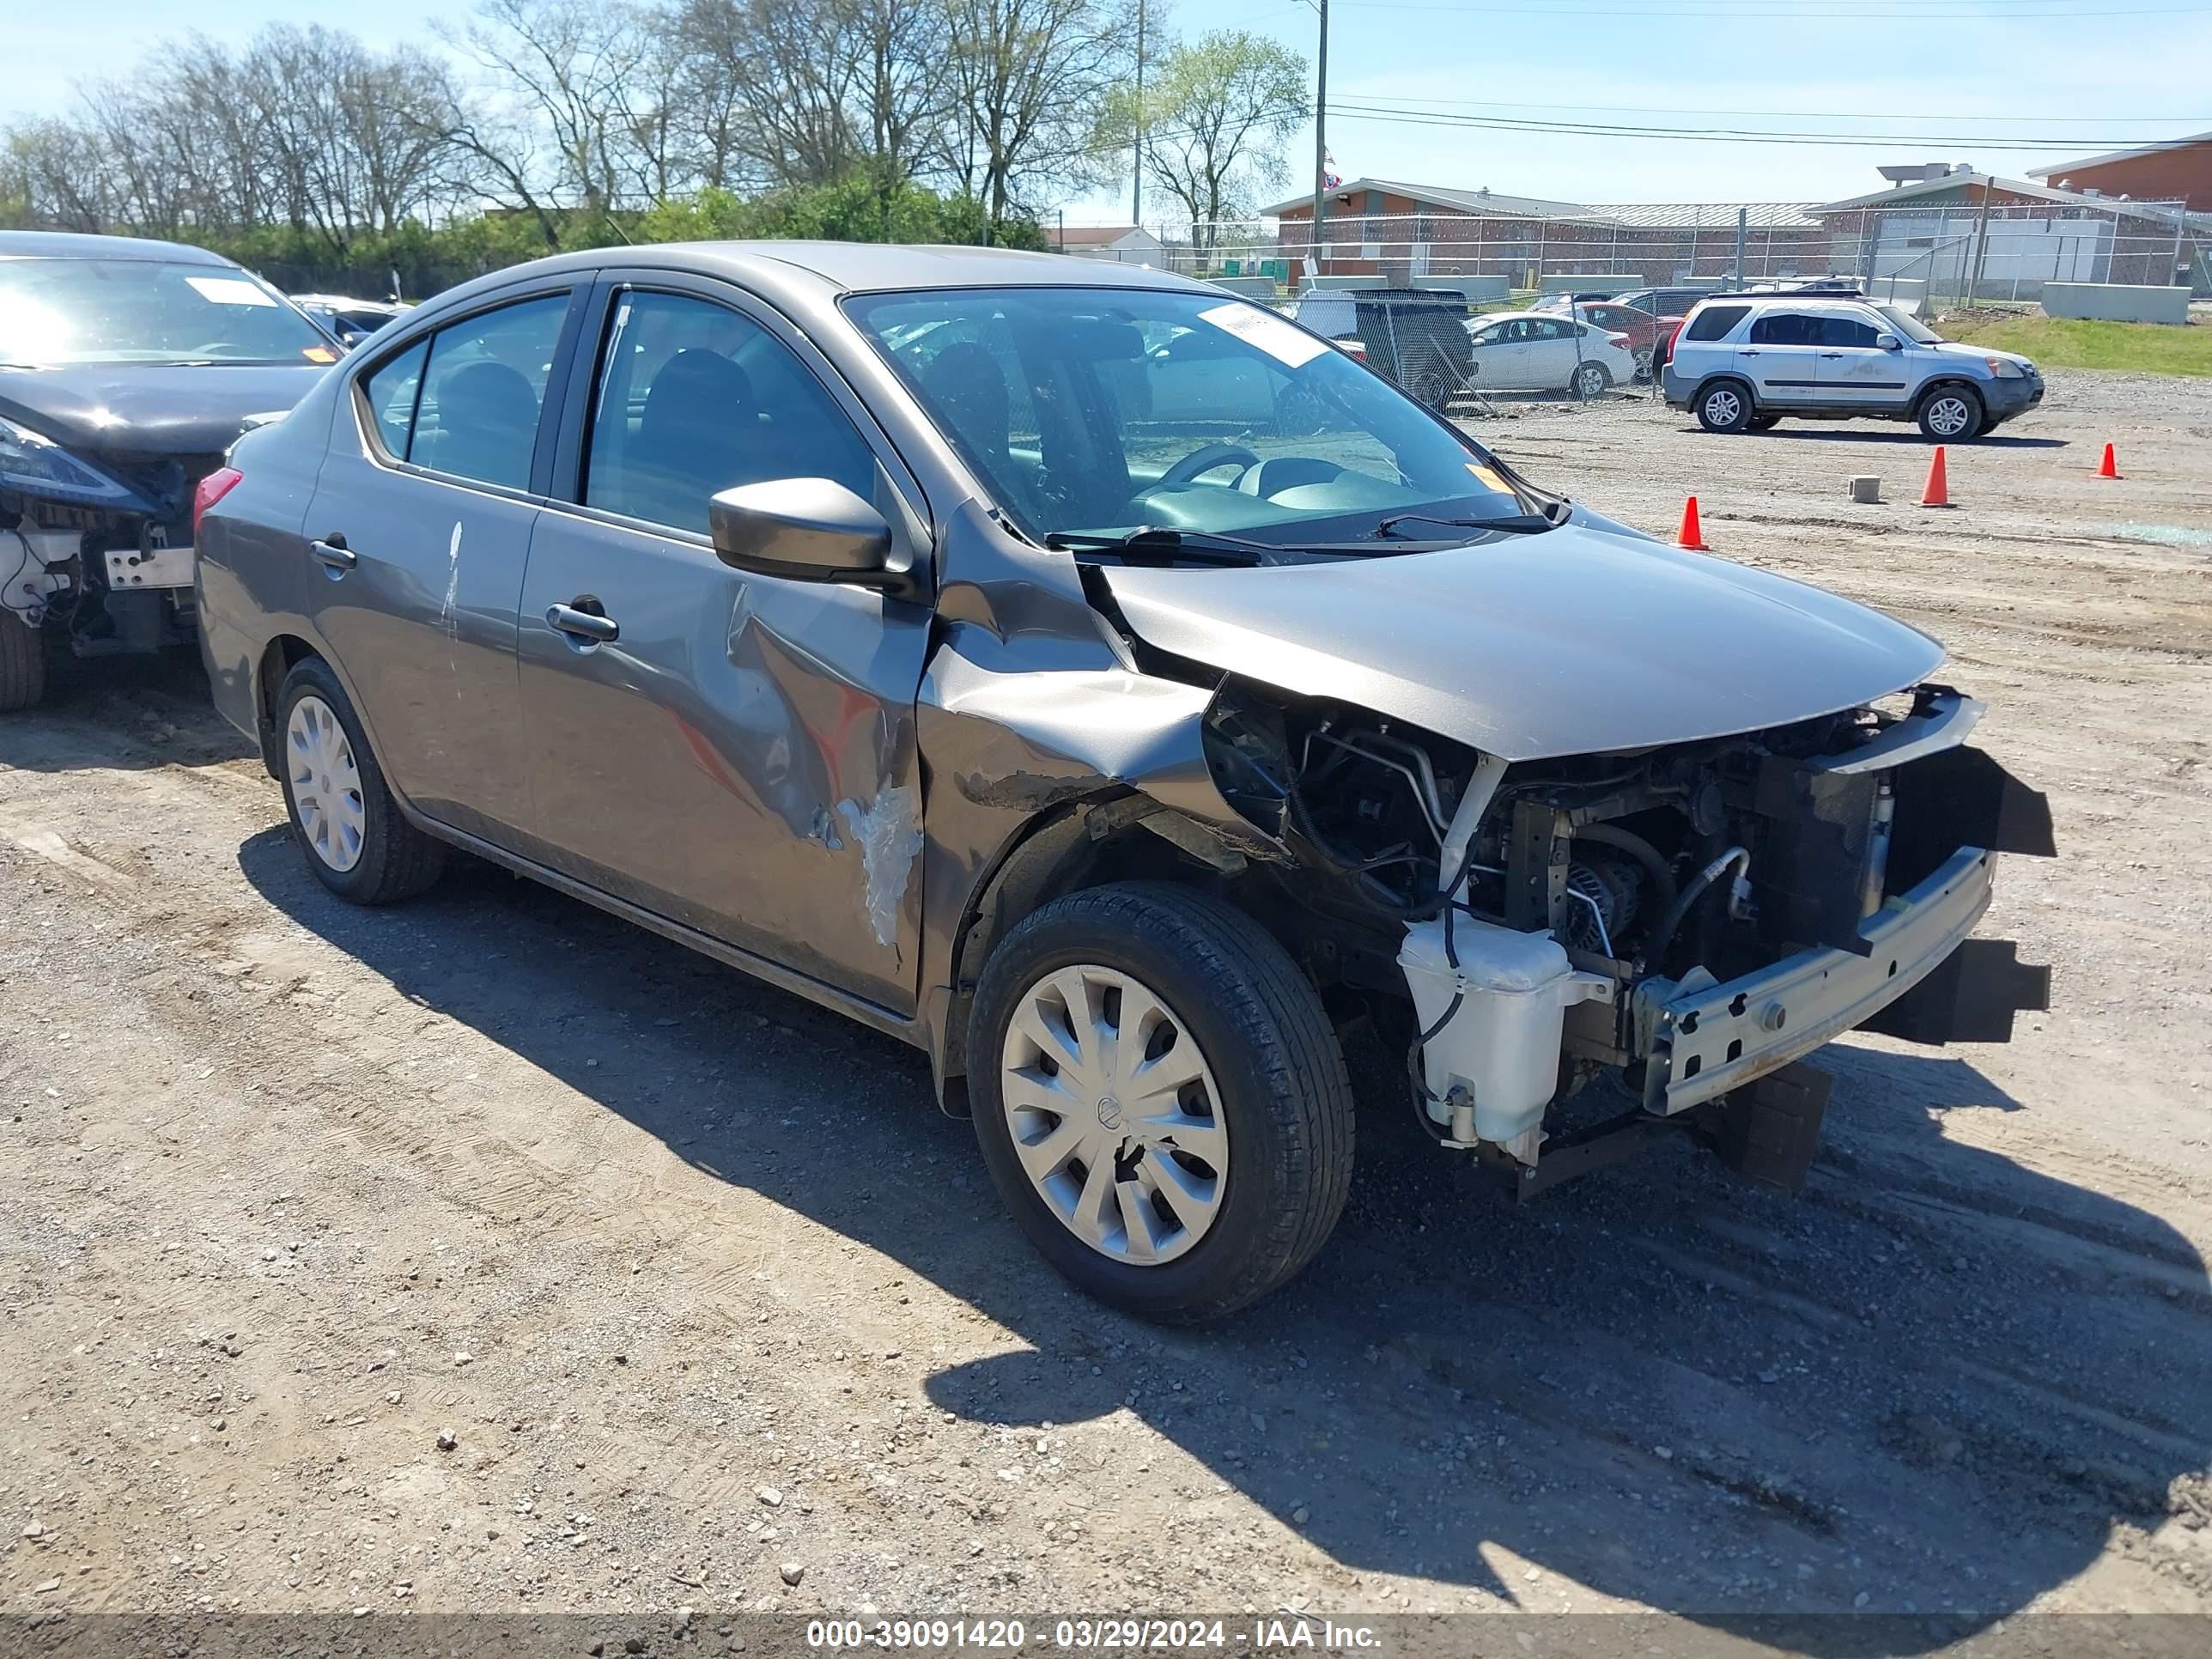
(1252, 1636)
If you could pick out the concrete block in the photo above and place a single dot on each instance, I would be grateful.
(2116, 302)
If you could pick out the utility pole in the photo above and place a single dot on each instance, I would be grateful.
(1137, 172)
(1321, 137)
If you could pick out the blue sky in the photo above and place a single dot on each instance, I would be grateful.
(1951, 79)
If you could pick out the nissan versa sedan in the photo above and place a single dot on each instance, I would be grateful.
(903, 627)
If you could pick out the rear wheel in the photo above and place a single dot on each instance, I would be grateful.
(22, 663)
(1160, 1099)
(343, 817)
(1724, 407)
(1950, 414)
(1762, 423)
(1589, 381)
(1644, 365)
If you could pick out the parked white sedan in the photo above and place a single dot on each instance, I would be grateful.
(1534, 352)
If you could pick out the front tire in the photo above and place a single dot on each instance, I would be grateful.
(1951, 414)
(343, 818)
(1160, 1099)
(1724, 407)
(22, 663)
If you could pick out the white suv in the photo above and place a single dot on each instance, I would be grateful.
(1741, 362)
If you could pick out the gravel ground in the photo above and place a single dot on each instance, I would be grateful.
(487, 1254)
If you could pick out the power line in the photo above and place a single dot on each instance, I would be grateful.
(1806, 114)
(1401, 115)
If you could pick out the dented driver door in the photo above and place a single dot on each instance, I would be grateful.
(732, 751)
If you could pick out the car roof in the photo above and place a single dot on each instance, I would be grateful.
(862, 267)
(72, 245)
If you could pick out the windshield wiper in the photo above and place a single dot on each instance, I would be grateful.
(1200, 546)
(1519, 524)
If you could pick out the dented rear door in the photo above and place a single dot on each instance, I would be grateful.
(414, 547)
(732, 751)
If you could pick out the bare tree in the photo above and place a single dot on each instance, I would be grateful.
(573, 72)
(1029, 78)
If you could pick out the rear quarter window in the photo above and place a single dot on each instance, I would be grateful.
(1715, 322)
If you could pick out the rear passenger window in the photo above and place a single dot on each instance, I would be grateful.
(1715, 322)
(478, 418)
(695, 398)
(1786, 328)
(390, 395)
(1846, 331)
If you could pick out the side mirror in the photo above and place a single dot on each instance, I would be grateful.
(1889, 342)
(807, 529)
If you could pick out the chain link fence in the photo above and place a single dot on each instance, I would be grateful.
(1411, 291)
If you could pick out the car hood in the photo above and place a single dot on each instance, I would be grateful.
(1978, 355)
(1576, 641)
(152, 409)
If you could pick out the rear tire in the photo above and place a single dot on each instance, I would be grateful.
(343, 818)
(1645, 362)
(1268, 1100)
(1590, 382)
(1725, 406)
(22, 663)
(1952, 415)
(1762, 423)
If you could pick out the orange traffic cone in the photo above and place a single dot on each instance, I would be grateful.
(2110, 467)
(1691, 535)
(1938, 493)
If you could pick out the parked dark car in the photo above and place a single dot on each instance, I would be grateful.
(1416, 336)
(126, 369)
(1102, 683)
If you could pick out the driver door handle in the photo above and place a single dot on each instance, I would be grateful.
(1831, 353)
(331, 552)
(583, 624)
(1749, 351)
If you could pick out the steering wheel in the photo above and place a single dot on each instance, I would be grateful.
(1204, 459)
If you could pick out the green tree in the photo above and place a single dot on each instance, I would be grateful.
(1215, 116)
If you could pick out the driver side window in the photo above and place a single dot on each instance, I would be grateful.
(695, 398)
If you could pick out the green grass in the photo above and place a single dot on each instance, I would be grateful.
(2072, 342)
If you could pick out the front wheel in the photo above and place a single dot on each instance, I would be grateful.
(1950, 414)
(343, 817)
(1724, 408)
(22, 663)
(1160, 1099)
(1644, 365)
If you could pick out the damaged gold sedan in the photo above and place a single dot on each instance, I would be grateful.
(1101, 683)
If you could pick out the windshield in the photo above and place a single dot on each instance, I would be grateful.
(59, 311)
(1096, 412)
(1910, 326)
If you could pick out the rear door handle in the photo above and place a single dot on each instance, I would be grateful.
(1831, 353)
(1749, 353)
(332, 553)
(582, 624)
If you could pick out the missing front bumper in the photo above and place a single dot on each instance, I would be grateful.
(1707, 1040)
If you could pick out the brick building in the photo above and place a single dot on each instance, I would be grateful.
(2179, 171)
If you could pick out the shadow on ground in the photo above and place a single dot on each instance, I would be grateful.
(1933, 1386)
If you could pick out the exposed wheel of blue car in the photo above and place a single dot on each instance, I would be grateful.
(1160, 1099)
(22, 663)
(356, 841)
(1725, 406)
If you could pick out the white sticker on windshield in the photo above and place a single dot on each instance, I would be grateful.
(1285, 344)
(230, 291)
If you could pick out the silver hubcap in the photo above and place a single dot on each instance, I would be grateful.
(1590, 382)
(1949, 416)
(1722, 408)
(1114, 1115)
(326, 783)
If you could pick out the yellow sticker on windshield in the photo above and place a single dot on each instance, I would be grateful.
(318, 354)
(1489, 478)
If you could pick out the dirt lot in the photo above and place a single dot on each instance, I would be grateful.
(700, 1283)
